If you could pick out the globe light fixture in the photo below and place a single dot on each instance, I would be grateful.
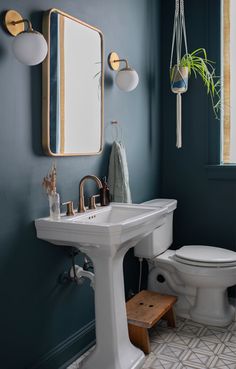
(127, 78)
(29, 46)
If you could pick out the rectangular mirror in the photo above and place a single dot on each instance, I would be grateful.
(73, 80)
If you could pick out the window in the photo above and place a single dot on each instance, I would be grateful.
(229, 81)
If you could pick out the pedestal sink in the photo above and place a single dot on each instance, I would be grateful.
(105, 235)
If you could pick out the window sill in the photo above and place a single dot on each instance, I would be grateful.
(225, 172)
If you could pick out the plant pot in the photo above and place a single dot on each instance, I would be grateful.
(179, 79)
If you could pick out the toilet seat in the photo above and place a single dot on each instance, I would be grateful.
(205, 256)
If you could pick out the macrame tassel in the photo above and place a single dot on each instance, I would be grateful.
(178, 121)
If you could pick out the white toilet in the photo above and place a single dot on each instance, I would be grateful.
(198, 275)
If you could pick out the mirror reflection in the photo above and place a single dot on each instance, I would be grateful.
(73, 121)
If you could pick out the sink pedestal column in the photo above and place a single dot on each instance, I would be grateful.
(113, 347)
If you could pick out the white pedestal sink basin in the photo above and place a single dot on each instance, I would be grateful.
(105, 235)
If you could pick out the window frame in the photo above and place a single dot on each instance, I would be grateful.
(225, 57)
(217, 168)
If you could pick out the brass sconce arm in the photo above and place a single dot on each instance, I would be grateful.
(29, 24)
(15, 23)
(114, 61)
(122, 60)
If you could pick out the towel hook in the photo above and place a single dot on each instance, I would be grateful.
(118, 131)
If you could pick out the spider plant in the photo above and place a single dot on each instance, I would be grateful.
(198, 64)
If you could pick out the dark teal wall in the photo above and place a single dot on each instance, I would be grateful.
(39, 316)
(206, 199)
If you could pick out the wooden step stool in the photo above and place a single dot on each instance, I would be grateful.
(143, 311)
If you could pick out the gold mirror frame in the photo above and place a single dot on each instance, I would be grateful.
(46, 87)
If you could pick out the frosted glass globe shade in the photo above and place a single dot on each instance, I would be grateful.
(30, 47)
(127, 79)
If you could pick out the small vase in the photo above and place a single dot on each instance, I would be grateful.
(179, 79)
(54, 205)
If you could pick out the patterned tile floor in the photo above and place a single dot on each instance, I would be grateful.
(189, 346)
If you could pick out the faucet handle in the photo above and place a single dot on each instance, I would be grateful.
(69, 208)
(92, 201)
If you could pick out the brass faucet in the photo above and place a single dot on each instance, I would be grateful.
(82, 208)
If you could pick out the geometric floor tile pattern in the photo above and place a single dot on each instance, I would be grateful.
(189, 346)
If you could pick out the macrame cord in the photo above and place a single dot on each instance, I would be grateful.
(179, 75)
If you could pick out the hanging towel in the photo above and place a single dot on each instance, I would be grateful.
(118, 174)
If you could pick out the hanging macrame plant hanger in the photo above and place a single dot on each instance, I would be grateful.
(178, 73)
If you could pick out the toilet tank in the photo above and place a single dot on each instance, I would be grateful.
(162, 237)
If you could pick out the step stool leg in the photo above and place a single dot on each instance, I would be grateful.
(139, 337)
(170, 317)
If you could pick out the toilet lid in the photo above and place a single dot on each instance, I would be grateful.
(206, 256)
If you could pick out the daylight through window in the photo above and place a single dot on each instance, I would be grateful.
(229, 81)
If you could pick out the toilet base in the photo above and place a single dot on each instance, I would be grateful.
(208, 306)
(217, 311)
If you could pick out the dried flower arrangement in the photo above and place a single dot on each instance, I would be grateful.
(49, 182)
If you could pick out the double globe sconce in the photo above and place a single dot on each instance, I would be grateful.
(30, 48)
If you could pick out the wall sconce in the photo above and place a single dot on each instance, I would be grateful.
(127, 78)
(29, 46)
